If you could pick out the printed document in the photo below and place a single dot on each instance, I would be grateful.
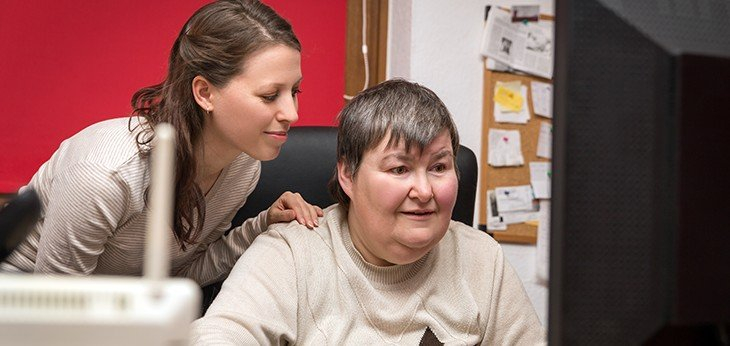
(524, 46)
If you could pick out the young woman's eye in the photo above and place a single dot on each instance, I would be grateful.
(295, 92)
(399, 170)
(270, 98)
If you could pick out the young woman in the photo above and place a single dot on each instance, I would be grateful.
(231, 94)
(386, 265)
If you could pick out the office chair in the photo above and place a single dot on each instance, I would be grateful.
(308, 161)
(306, 164)
(17, 218)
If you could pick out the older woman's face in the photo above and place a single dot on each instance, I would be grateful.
(401, 202)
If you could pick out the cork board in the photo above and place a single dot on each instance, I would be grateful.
(493, 177)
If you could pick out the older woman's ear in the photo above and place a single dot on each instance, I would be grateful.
(344, 176)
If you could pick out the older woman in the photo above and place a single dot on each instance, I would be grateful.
(386, 264)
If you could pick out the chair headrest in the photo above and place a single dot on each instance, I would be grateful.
(17, 219)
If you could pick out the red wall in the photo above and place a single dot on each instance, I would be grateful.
(67, 64)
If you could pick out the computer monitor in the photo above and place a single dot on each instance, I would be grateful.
(640, 236)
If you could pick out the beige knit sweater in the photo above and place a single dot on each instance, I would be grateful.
(94, 215)
(313, 287)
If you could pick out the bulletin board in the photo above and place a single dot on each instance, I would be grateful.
(493, 177)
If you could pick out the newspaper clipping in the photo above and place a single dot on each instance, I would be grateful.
(525, 46)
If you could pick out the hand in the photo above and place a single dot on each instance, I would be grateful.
(290, 206)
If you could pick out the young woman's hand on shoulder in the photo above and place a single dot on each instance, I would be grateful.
(290, 206)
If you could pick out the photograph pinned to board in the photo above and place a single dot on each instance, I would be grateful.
(524, 46)
(545, 140)
(494, 221)
(505, 148)
(510, 103)
(522, 13)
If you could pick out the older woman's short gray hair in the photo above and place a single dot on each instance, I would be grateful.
(405, 111)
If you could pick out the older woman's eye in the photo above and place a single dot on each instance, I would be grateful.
(399, 170)
(439, 168)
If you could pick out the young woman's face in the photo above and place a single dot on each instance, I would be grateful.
(253, 112)
(401, 202)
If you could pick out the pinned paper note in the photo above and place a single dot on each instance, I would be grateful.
(542, 98)
(503, 116)
(510, 99)
(540, 176)
(504, 148)
(545, 140)
(515, 204)
(514, 198)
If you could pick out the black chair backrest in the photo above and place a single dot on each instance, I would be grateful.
(17, 219)
(307, 162)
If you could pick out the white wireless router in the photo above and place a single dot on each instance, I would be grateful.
(104, 310)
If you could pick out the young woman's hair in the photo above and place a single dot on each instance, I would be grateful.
(214, 43)
(402, 110)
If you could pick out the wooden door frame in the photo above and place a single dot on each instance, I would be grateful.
(377, 43)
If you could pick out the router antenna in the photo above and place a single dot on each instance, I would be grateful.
(159, 217)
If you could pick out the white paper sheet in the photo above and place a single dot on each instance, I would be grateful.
(504, 148)
(545, 140)
(494, 65)
(542, 98)
(540, 175)
(542, 257)
(497, 220)
(513, 217)
(514, 198)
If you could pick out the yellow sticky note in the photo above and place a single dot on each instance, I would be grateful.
(509, 99)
